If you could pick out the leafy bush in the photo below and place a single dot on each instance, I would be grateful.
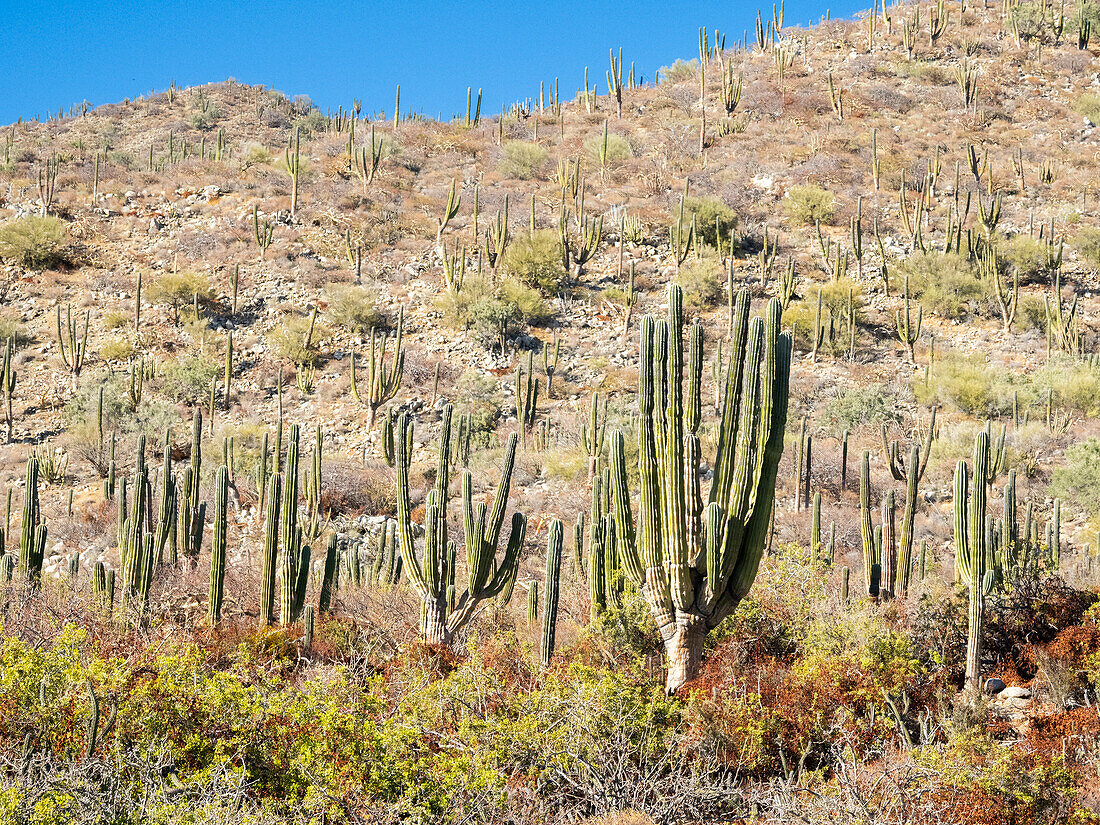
(497, 313)
(535, 260)
(1077, 480)
(12, 328)
(618, 148)
(970, 385)
(295, 340)
(205, 118)
(713, 219)
(868, 404)
(523, 160)
(1088, 105)
(179, 289)
(311, 124)
(35, 242)
(352, 307)
(945, 285)
(679, 71)
(703, 282)
(1087, 241)
(809, 204)
(1076, 384)
(118, 349)
(1024, 255)
(188, 378)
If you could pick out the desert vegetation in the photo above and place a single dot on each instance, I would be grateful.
(717, 446)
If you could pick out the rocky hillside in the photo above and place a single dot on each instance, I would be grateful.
(917, 187)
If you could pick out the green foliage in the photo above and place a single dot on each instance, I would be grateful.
(311, 124)
(295, 340)
(713, 219)
(618, 149)
(679, 71)
(35, 242)
(1024, 255)
(523, 160)
(205, 118)
(970, 385)
(703, 282)
(11, 327)
(801, 315)
(352, 307)
(188, 377)
(1087, 241)
(117, 349)
(807, 204)
(1077, 480)
(179, 289)
(119, 415)
(1076, 384)
(1088, 105)
(536, 260)
(496, 313)
(865, 404)
(945, 284)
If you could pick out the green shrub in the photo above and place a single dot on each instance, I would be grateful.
(1075, 383)
(295, 340)
(679, 71)
(1087, 241)
(352, 307)
(311, 124)
(179, 289)
(713, 219)
(115, 320)
(971, 385)
(1088, 105)
(523, 160)
(188, 378)
(1024, 255)
(203, 119)
(809, 204)
(35, 242)
(945, 284)
(1077, 479)
(535, 260)
(13, 328)
(529, 303)
(118, 349)
(869, 404)
(618, 148)
(703, 282)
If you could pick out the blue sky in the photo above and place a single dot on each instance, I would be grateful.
(60, 53)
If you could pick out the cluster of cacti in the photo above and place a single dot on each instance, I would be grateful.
(578, 234)
(693, 567)
(908, 327)
(72, 341)
(294, 570)
(911, 474)
(682, 234)
(527, 397)
(972, 549)
(593, 433)
(367, 159)
(32, 535)
(218, 545)
(382, 380)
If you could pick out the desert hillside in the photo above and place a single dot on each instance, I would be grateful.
(718, 447)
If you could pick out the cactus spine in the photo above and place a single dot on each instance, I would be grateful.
(694, 568)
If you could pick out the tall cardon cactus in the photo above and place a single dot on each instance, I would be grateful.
(694, 564)
(432, 571)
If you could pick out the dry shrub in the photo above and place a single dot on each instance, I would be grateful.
(353, 489)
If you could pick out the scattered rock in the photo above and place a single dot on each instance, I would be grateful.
(993, 686)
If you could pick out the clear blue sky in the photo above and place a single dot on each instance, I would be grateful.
(60, 53)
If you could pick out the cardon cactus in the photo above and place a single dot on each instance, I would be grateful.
(911, 474)
(295, 566)
(271, 548)
(32, 539)
(971, 536)
(432, 571)
(693, 565)
(871, 559)
(217, 545)
(554, 541)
